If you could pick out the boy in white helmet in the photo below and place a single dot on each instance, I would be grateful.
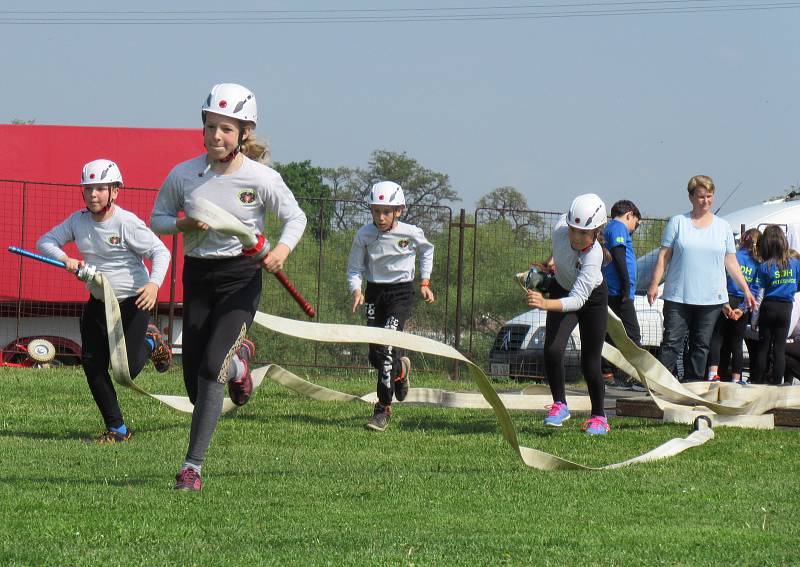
(384, 253)
(114, 241)
(577, 296)
(221, 281)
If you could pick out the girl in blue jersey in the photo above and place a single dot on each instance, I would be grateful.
(732, 323)
(778, 277)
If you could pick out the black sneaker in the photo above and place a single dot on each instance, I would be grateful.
(110, 438)
(161, 355)
(380, 417)
(403, 382)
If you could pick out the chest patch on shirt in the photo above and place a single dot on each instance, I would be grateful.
(247, 196)
(403, 243)
(114, 240)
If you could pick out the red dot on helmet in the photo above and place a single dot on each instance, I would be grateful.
(91, 176)
(577, 220)
(223, 103)
(381, 198)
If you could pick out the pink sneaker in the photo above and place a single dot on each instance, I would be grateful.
(596, 425)
(188, 479)
(557, 414)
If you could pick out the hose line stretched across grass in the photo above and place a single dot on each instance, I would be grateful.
(723, 404)
(360, 334)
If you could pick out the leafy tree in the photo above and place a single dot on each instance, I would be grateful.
(311, 192)
(509, 205)
(347, 187)
(423, 188)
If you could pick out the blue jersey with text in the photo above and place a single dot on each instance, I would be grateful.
(779, 284)
(749, 270)
(617, 234)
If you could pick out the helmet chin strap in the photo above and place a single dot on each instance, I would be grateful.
(106, 208)
(230, 156)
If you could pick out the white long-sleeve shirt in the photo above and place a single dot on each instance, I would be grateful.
(116, 246)
(248, 193)
(388, 257)
(579, 271)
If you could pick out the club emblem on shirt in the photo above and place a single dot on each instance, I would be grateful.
(403, 243)
(114, 239)
(247, 196)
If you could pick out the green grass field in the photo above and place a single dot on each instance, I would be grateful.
(289, 480)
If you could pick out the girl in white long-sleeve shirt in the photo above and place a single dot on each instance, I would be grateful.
(114, 241)
(577, 296)
(221, 284)
(384, 254)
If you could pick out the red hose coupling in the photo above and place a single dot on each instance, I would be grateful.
(259, 250)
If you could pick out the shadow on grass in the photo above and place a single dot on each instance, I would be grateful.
(68, 481)
(80, 436)
(40, 436)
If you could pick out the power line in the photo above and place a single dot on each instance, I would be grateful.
(355, 10)
(386, 15)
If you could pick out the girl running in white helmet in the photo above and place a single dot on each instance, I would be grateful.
(221, 282)
(577, 296)
(114, 241)
(384, 254)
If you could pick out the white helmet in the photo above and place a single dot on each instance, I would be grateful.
(387, 193)
(587, 211)
(235, 101)
(101, 171)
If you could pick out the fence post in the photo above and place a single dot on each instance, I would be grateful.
(173, 279)
(461, 225)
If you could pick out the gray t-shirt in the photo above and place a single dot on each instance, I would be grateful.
(388, 257)
(248, 193)
(116, 246)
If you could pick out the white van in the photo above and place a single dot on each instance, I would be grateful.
(518, 348)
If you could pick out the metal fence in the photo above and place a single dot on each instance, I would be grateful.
(475, 259)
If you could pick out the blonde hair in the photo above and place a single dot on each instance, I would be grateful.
(256, 148)
(703, 181)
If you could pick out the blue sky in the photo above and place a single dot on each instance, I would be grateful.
(627, 107)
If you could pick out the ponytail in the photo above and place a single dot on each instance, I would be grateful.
(257, 149)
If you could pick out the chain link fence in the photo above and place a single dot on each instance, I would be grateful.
(478, 304)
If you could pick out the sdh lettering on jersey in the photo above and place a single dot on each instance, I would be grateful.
(785, 276)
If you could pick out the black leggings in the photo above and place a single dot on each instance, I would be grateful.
(220, 301)
(95, 356)
(592, 321)
(623, 307)
(728, 339)
(387, 306)
(773, 327)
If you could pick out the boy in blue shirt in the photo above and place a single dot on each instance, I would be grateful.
(620, 274)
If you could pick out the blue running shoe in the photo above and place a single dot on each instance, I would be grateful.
(558, 414)
(596, 425)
